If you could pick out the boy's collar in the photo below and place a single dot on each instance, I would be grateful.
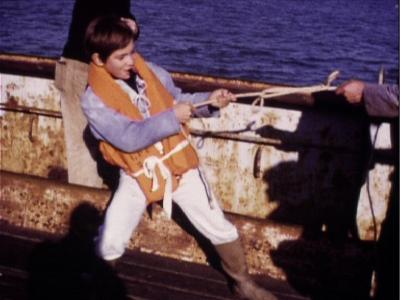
(132, 81)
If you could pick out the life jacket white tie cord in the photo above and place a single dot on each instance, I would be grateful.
(149, 170)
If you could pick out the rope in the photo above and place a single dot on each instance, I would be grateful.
(282, 91)
(261, 96)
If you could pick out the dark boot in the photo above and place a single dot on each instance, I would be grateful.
(233, 261)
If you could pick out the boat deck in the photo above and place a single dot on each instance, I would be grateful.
(35, 265)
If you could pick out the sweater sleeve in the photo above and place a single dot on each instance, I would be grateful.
(166, 79)
(381, 100)
(123, 132)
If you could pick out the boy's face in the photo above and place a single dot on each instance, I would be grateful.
(120, 63)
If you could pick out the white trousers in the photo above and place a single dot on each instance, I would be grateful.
(129, 203)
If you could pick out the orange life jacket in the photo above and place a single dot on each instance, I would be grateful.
(160, 99)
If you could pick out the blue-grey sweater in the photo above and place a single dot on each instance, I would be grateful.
(131, 135)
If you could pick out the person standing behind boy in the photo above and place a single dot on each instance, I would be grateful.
(142, 130)
(382, 100)
(71, 80)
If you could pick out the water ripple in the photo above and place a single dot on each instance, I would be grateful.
(285, 41)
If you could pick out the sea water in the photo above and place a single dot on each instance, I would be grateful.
(280, 41)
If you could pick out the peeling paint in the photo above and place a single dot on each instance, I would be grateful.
(311, 178)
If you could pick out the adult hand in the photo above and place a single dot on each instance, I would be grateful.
(221, 98)
(183, 111)
(352, 90)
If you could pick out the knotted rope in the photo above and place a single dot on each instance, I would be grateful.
(149, 170)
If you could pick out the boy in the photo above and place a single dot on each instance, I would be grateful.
(140, 126)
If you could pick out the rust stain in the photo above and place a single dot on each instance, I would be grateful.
(46, 205)
(11, 101)
(25, 148)
(35, 145)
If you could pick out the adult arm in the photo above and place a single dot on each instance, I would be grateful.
(381, 100)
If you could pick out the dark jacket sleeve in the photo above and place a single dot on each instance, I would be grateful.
(83, 13)
(381, 100)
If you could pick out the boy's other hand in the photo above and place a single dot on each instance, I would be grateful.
(221, 98)
(183, 111)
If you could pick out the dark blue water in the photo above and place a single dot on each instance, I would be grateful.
(282, 41)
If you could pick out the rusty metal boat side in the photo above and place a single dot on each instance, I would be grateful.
(299, 166)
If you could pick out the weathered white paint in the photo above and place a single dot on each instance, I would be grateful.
(310, 152)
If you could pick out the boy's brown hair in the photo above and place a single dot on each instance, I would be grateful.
(107, 34)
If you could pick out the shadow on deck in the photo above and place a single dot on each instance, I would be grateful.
(36, 265)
